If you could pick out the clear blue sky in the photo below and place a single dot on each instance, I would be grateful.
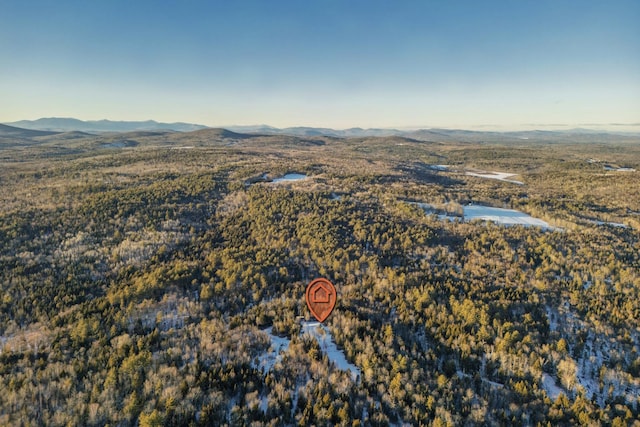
(336, 63)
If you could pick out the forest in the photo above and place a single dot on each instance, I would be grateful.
(147, 279)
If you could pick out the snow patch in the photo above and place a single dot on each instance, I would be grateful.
(322, 334)
(264, 404)
(278, 345)
(618, 169)
(549, 385)
(439, 167)
(612, 224)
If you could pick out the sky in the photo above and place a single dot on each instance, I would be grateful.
(508, 64)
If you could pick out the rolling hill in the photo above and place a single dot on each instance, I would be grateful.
(17, 132)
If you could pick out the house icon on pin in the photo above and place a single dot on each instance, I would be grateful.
(321, 294)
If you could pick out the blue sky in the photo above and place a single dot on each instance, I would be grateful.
(335, 63)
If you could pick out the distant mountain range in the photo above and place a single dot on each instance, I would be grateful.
(57, 124)
(443, 135)
(312, 131)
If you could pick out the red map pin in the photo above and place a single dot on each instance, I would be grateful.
(321, 298)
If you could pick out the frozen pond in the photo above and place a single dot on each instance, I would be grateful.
(497, 215)
(500, 176)
(290, 177)
(502, 216)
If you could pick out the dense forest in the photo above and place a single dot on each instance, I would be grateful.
(145, 278)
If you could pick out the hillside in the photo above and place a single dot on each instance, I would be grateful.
(159, 277)
(12, 131)
(13, 138)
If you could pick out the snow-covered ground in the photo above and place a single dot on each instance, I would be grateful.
(502, 216)
(321, 333)
(617, 169)
(264, 404)
(549, 385)
(593, 372)
(613, 224)
(290, 177)
(318, 331)
(552, 317)
(271, 357)
(500, 176)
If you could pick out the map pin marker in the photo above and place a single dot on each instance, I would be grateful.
(321, 297)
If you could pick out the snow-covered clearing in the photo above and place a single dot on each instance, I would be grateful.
(321, 333)
(318, 331)
(271, 357)
(550, 386)
(500, 176)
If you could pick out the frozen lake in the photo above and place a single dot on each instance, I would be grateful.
(502, 216)
(497, 215)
